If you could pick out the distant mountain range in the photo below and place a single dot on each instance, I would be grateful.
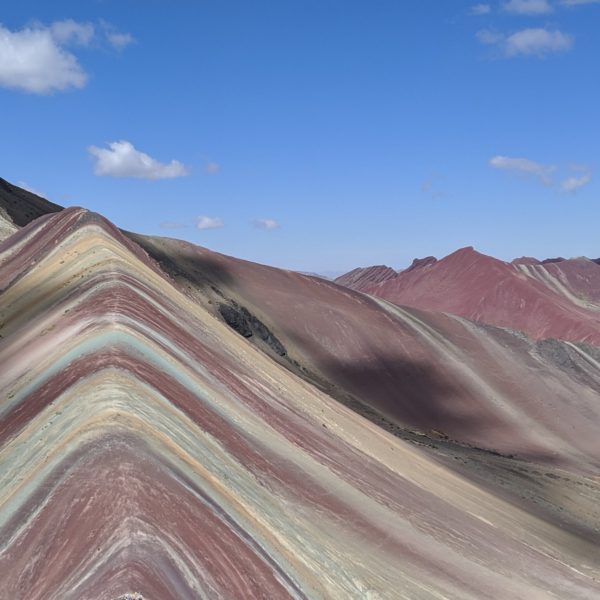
(553, 298)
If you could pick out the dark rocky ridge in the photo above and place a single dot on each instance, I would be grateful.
(418, 263)
(22, 206)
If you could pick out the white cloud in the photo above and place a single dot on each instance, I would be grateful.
(527, 42)
(537, 42)
(119, 40)
(204, 222)
(527, 7)
(121, 159)
(267, 224)
(33, 60)
(115, 38)
(579, 2)
(489, 37)
(544, 173)
(525, 167)
(480, 9)
(212, 168)
(36, 59)
(574, 183)
(72, 32)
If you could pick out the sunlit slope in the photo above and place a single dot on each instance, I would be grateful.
(146, 447)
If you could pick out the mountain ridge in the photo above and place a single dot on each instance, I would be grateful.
(557, 298)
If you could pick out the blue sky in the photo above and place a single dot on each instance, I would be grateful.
(316, 135)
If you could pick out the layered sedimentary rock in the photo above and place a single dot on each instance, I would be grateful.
(146, 447)
(556, 298)
(364, 278)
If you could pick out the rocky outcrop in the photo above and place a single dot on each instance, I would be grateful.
(247, 325)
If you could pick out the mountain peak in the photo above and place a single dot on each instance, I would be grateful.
(526, 260)
(468, 253)
(419, 263)
(363, 277)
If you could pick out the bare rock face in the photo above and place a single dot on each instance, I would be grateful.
(247, 325)
(526, 260)
(419, 263)
(549, 261)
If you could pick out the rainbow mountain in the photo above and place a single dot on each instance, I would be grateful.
(177, 424)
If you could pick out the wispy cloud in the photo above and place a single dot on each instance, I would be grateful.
(579, 2)
(480, 10)
(27, 187)
(544, 174)
(172, 225)
(489, 37)
(527, 7)
(266, 224)
(121, 159)
(71, 32)
(120, 40)
(524, 167)
(212, 168)
(430, 187)
(574, 183)
(203, 222)
(117, 39)
(537, 42)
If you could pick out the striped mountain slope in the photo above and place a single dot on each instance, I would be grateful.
(148, 450)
